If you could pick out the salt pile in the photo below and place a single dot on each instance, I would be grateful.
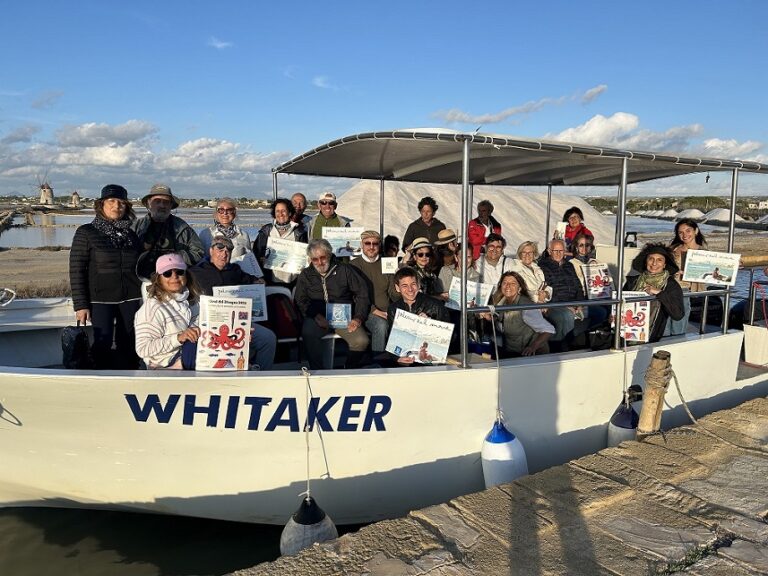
(521, 213)
(722, 215)
(692, 213)
(670, 213)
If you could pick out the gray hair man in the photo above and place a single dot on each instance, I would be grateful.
(323, 290)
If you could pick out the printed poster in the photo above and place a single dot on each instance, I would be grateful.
(634, 317)
(225, 333)
(423, 339)
(256, 292)
(598, 280)
(559, 233)
(344, 241)
(718, 268)
(249, 263)
(389, 265)
(338, 315)
(477, 294)
(285, 255)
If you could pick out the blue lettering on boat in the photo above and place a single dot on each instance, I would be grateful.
(335, 413)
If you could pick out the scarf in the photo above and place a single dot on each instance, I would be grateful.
(226, 231)
(118, 231)
(283, 229)
(648, 280)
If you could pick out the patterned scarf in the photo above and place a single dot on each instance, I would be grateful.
(226, 231)
(648, 280)
(118, 231)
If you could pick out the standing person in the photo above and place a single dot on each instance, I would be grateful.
(299, 202)
(224, 225)
(687, 237)
(328, 281)
(380, 288)
(102, 274)
(218, 270)
(162, 232)
(166, 324)
(493, 263)
(574, 219)
(426, 226)
(282, 226)
(481, 227)
(655, 267)
(326, 216)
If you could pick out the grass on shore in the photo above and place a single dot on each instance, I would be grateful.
(60, 288)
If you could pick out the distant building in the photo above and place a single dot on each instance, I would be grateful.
(752, 205)
(46, 194)
(762, 205)
(75, 202)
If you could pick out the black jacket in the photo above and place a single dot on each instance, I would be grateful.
(565, 284)
(341, 285)
(207, 276)
(668, 303)
(100, 273)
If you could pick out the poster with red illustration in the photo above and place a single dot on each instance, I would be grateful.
(225, 333)
(598, 280)
(634, 317)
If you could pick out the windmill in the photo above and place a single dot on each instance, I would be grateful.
(45, 190)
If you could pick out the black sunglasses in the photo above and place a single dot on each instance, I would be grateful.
(178, 271)
(220, 246)
(423, 254)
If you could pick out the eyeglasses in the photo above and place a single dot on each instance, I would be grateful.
(583, 245)
(220, 246)
(225, 210)
(527, 253)
(493, 247)
(371, 243)
(423, 254)
(178, 271)
(327, 203)
(557, 251)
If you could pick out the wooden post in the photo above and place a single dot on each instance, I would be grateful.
(657, 379)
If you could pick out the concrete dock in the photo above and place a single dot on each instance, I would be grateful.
(692, 501)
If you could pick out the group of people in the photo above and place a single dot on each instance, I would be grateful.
(117, 253)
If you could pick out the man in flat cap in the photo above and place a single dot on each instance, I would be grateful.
(162, 232)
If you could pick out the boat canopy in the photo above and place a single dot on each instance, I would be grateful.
(435, 156)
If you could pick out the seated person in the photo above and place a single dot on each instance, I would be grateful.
(421, 257)
(391, 246)
(655, 271)
(413, 300)
(525, 331)
(566, 287)
(582, 250)
(329, 281)
(217, 270)
(493, 263)
(453, 270)
(166, 324)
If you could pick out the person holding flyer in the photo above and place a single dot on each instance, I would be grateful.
(655, 270)
(688, 236)
(282, 226)
(166, 325)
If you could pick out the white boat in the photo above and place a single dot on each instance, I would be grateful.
(231, 446)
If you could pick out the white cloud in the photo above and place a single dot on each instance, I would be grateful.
(323, 82)
(47, 99)
(593, 93)
(92, 134)
(456, 116)
(731, 148)
(21, 134)
(219, 44)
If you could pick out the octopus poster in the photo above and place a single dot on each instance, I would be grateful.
(225, 333)
(598, 280)
(634, 317)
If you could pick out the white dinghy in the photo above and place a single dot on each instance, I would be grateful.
(230, 446)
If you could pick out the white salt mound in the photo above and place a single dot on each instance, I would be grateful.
(521, 213)
(671, 213)
(721, 214)
(693, 213)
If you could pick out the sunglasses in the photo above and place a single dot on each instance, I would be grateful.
(178, 271)
(371, 243)
(423, 254)
(220, 246)
(327, 203)
(225, 210)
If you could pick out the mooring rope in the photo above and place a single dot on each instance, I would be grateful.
(6, 296)
(499, 413)
(307, 395)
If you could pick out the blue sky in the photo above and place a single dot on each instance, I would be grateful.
(208, 96)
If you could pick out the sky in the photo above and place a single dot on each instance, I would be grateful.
(209, 96)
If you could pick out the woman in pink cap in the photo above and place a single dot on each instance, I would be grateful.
(166, 325)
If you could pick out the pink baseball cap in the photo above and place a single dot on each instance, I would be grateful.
(170, 262)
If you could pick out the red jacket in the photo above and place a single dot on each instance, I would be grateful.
(476, 234)
(570, 234)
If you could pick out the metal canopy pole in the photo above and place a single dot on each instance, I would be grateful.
(465, 196)
(471, 199)
(549, 215)
(274, 186)
(731, 226)
(621, 216)
(381, 213)
(616, 239)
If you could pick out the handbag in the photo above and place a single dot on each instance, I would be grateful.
(76, 348)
